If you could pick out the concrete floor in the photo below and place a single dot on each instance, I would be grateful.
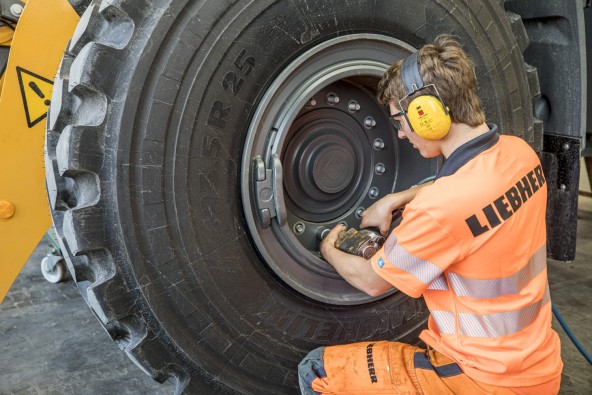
(50, 342)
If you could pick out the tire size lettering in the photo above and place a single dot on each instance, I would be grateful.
(244, 65)
(210, 147)
(218, 115)
(233, 80)
(232, 83)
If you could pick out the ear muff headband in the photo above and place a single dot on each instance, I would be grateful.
(412, 81)
(426, 114)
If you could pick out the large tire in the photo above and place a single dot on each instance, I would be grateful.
(158, 110)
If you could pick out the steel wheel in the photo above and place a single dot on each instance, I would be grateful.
(321, 150)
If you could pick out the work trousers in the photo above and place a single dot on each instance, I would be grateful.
(384, 367)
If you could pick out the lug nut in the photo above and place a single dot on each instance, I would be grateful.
(332, 98)
(379, 168)
(369, 122)
(373, 192)
(353, 106)
(299, 227)
(360, 211)
(322, 232)
(378, 144)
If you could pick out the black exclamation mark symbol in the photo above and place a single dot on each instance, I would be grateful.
(36, 89)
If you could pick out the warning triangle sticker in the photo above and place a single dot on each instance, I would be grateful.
(36, 92)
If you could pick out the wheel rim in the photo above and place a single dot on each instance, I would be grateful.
(338, 152)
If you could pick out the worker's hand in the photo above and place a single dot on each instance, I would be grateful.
(380, 214)
(328, 243)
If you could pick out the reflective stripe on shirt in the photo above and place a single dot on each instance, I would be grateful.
(439, 284)
(424, 271)
(428, 273)
(512, 285)
(490, 325)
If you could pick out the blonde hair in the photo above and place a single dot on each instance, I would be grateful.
(446, 65)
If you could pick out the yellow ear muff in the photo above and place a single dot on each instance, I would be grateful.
(428, 117)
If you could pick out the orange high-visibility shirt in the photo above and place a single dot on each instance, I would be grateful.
(474, 245)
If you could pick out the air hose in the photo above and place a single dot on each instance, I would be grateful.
(570, 334)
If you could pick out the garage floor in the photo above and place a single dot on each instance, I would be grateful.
(50, 342)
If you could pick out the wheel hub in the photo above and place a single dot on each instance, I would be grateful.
(338, 151)
(325, 161)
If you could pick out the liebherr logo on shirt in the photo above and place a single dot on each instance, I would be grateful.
(371, 369)
(502, 208)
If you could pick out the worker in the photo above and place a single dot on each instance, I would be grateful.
(472, 243)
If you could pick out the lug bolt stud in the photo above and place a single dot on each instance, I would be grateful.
(373, 192)
(360, 211)
(312, 102)
(566, 147)
(353, 106)
(378, 144)
(369, 122)
(379, 168)
(299, 227)
(332, 98)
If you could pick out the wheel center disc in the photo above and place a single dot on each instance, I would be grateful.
(333, 169)
(326, 158)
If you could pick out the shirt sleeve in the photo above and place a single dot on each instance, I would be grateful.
(416, 253)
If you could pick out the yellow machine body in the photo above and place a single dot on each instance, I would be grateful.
(42, 33)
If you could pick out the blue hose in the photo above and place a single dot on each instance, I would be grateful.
(571, 335)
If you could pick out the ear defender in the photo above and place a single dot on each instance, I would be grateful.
(428, 117)
(426, 114)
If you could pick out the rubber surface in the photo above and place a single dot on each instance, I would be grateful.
(144, 138)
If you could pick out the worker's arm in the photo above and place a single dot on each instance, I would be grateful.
(380, 213)
(354, 269)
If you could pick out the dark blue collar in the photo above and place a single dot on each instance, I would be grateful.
(468, 151)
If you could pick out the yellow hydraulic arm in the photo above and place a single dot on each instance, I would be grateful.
(42, 33)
